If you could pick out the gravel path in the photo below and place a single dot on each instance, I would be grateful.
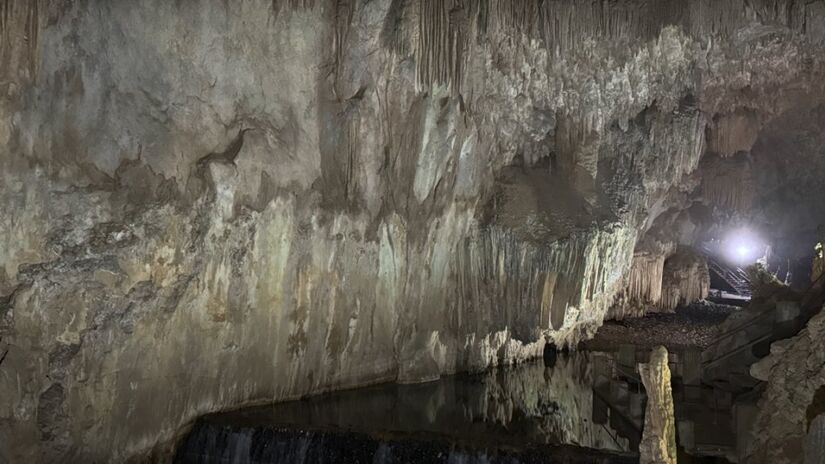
(692, 326)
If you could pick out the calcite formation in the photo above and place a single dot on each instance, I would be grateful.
(212, 204)
(658, 444)
(685, 279)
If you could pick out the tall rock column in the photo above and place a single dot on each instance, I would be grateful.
(658, 444)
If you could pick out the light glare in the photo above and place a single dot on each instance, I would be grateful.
(742, 246)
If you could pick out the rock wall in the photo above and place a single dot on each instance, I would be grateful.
(209, 205)
(794, 372)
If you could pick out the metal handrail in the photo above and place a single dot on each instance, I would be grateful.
(738, 281)
(737, 350)
(727, 334)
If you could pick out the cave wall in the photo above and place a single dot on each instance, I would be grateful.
(206, 205)
(794, 373)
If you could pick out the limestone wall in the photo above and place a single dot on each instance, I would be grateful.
(207, 205)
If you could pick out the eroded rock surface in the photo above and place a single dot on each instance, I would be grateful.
(793, 398)
(209, 205)
(658, 444)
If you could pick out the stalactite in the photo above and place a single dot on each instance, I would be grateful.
(20, 24)
(732, 133)
(572, 135)
(278, 5)
(710, 17)
(444, 26)
(661, 280)
(395, 32)
(564, 25)
(685, 279)
(683, 141)
(728, 184)
(433, 42)
(643, 286)
(441, 41)
(645, 280)
(541, 284)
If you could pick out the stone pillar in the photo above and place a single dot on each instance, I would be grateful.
(658, 444)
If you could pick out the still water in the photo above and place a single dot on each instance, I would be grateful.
(586, 408)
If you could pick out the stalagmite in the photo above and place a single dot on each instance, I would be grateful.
(658, 445)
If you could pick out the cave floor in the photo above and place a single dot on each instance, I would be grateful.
(693, 326)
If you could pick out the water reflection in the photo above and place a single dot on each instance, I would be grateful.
(583, 407)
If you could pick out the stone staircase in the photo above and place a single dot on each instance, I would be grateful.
(746, 339)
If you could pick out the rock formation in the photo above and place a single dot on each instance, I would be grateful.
(793, 398)
(661, 280)
(685, 279)
(658, 444)
(207, 205)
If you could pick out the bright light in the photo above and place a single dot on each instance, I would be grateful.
(743, 246)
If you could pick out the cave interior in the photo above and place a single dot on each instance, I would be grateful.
(392, 231)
